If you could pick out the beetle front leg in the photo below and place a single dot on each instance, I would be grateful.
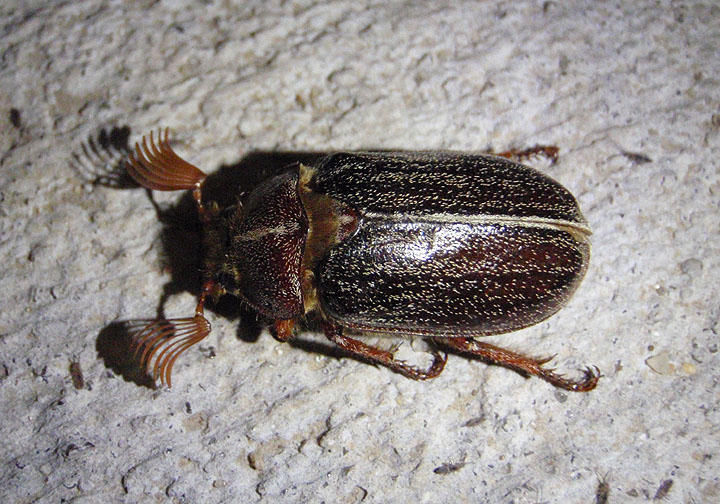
(521, 363)
(284, 330)
(378, 356)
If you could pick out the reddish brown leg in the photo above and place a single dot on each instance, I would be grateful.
(521, 363)
(377, 356)
(284, 329)
(548, 151)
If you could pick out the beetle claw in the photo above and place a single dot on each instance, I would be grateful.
(522, 364)
(415, 372)
(383, 357)
(394, 348)
(545, 360)
(589, 380)
(550, 152)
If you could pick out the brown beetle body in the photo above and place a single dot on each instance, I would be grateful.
(443, 245)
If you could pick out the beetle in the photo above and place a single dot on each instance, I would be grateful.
(442, 245)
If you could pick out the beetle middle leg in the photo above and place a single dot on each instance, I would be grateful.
(521, 363)
(378, 356)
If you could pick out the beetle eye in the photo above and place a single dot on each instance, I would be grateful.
(227, 281)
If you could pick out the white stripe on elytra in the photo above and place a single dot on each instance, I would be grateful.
(537, 222)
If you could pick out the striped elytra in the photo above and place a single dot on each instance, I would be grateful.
(449, 244)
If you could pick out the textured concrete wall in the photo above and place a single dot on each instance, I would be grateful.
(629, 91)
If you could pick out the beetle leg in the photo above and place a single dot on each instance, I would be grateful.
(378, 356)
(548, 151)
(521, 363)
(284, 329)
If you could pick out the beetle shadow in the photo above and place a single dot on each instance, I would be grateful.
(99, 159)
(114, 347)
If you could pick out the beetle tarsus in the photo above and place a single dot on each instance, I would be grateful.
(591, 375)
(521, 363)
(548, 151)
(383, 357)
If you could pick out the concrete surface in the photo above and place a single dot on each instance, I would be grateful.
(629, 91)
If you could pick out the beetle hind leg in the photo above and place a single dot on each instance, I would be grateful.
(383, 357)
(521, 363)
(550, 152)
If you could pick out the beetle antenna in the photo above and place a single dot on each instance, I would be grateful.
(156, 166)
(164, 341)
(159, 343)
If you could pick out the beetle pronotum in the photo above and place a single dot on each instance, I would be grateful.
(445, 246)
